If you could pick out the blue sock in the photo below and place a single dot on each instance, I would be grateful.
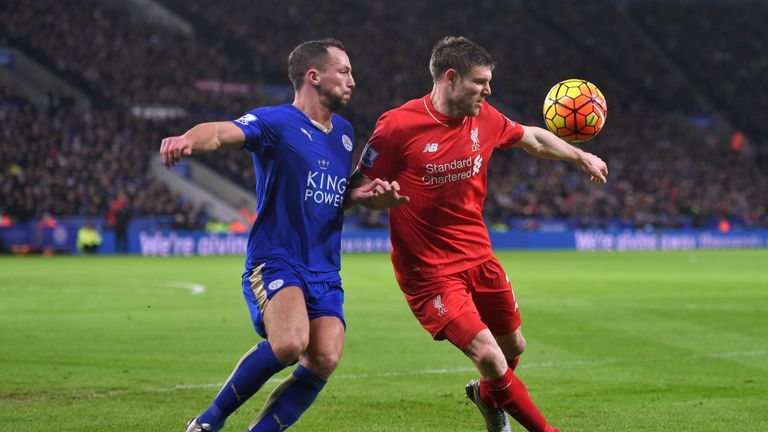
(253, 370)
(288, 401)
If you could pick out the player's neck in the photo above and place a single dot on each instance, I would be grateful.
(442, 103)
(313, 109)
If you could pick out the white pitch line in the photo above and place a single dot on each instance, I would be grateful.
(193, 288)
(548, 364)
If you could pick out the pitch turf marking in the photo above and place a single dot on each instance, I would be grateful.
(548, 364)
(193, 288)
(577, 363)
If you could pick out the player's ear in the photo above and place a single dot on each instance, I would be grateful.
(312, 76)
(451, 76)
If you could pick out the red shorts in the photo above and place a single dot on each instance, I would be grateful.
(472, 300)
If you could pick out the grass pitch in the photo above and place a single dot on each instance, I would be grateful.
(674, 341)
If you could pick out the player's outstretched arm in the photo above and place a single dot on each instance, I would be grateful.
(544, 144)
(374, 194)
(202, 138)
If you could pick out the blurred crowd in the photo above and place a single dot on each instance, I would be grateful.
(666, 169)
(61, 162)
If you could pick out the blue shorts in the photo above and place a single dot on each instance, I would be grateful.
(323, 294)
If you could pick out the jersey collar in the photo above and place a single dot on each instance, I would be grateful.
(321, 127)
(316, 124)
(439, 117)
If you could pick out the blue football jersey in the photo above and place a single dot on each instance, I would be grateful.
(301, 177)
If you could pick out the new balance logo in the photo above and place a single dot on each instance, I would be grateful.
(430, 148)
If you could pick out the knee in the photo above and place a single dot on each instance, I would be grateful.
(487, 357)
(323, 363)
(288, 348)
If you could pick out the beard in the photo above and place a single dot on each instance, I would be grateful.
(335, 103)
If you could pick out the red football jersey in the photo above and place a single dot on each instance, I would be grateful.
(441, 164)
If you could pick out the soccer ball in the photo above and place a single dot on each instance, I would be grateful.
(575, 110)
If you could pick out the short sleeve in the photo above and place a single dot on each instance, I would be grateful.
(381, 153)
(510, 132)
(258, 134)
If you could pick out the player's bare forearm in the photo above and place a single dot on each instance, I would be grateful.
(544, 144)
(203, 138)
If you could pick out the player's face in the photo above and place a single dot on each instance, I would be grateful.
(335, 81)
(471, 89)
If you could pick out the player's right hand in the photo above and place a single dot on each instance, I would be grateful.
(379, 195)
(173, 148)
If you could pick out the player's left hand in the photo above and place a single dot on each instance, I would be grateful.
(595, 167)
(379, 195)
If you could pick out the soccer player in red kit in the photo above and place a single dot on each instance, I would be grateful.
(435, 149)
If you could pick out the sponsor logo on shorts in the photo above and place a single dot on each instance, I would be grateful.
(275, 284)
(438, 304)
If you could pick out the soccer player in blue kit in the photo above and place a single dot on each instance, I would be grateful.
(302, 154)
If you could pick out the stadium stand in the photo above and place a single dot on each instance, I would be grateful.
(672, 156)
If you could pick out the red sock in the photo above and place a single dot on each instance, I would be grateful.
(510, 394)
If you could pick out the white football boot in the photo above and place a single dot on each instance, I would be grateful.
(495, 419)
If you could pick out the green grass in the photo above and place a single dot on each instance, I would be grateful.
(616, 342)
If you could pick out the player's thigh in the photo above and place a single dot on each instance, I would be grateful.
(493, 296)
(326, 344)
(286, 321)
(263, 289)
(444, 307)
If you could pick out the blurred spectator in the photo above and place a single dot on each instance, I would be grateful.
(118, 218)
(45, 232)
(215, 227)
(5, 219)
(88, 239)
(237, 227)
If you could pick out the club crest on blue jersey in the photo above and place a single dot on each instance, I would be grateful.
(347, 142)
